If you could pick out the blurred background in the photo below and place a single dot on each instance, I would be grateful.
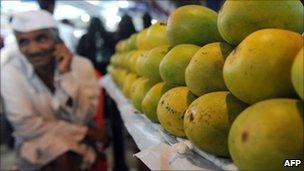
(78, 13)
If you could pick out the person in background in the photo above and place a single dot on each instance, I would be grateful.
(215, 5)
(186, 2)
(97, 45)
(66, 31)
(125, 28)
(50, 97)
(67, 22)
(1, 42)
(146, 20)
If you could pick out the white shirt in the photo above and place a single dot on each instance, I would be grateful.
(44, 126)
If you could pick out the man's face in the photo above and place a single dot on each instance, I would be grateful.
(37, 46)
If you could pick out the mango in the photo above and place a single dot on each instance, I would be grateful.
(151, 99)
(156, 35)
(142, 87)
(192, 24)
(171, 109)
(121, 77)
(141, 40)
(267, 133)
(238, 19)
(297, 74)
(139, 64)
(119, 46)
(133, 60)
(132, 42)
(126, 59)
(172, 67)
(110, 68)
(260, 67)
(208, 119)
(134, 86)
(204, 74)
(152, 62)
(129, 80)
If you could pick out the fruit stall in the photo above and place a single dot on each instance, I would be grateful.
(208, 91)
(175, 153)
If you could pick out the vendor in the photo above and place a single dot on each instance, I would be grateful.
(50, 97)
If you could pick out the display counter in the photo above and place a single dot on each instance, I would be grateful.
(158, 149)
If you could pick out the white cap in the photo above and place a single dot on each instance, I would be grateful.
(32, 20)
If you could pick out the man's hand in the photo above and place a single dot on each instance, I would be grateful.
(97, 134)
(63, 57)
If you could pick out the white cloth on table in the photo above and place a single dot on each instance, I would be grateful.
(45, 126)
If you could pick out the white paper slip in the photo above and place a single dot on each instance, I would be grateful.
(164, 157)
